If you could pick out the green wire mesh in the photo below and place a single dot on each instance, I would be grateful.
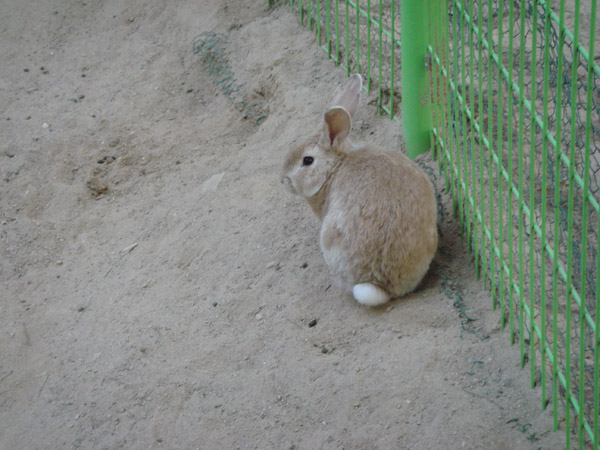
(361, 36)
(518, 130)
(515, 96)
(212, 50)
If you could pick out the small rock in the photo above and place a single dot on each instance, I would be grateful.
(304, 265)
(59, 262)
(215, 304)
(25, 69)
(273, 265)
(45, 125)
(212, 183)
(129, 248)
(312, 323)
(324, 350)
(259, 316)
(107, 159)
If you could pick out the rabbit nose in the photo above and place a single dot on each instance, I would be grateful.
(287, 183)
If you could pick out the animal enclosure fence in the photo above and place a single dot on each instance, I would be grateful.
(510, 100)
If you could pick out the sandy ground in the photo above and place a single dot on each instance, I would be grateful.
(157, 281)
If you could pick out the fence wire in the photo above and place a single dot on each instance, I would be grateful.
(361, 36)
(517, 123)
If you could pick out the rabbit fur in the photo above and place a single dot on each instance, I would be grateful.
(377, 207)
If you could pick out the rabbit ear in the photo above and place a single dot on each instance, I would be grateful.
(349, 94)
(337, 124)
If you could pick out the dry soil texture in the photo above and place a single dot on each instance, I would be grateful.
(157, 281)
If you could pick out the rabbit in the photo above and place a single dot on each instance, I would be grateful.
(377, 208)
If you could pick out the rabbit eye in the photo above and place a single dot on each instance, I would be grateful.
(307, 161)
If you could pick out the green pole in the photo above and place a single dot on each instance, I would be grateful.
(416, 118)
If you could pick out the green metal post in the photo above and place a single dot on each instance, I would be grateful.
(416, 117)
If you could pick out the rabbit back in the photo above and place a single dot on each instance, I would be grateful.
(379, 222)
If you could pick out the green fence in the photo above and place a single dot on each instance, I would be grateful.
(508, 93)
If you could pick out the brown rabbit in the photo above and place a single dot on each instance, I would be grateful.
(377, 207)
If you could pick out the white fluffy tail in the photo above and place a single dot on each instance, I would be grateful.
(369, 294)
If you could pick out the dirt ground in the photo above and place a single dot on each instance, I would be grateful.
(157, 281)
